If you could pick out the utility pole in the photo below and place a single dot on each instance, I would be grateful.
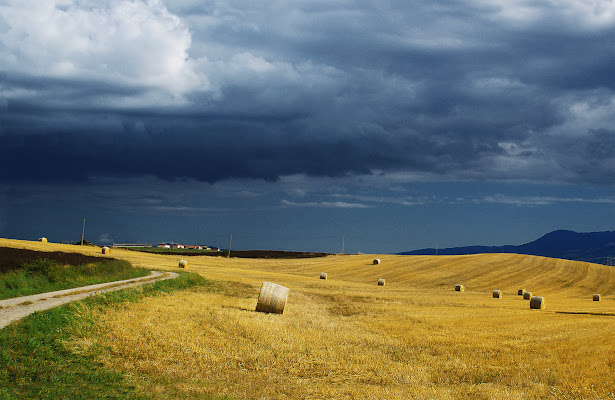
(342, 244)
(82, 231)
(229, 247)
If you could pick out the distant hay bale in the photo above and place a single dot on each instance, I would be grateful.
(376, 261)
(381, 282)
(459, 288)
(272, 298)
(597, 297)
(527, 295)
(323, 275)
(42, 240)
(537, 302)
(183, 264)
(106, 250)
(497, 294)
(521, 292)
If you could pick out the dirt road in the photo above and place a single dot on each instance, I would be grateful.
(16, 308)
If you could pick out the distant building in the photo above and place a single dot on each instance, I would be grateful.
(177, 246)
(163, 245)
(132, 245)
(194, 247)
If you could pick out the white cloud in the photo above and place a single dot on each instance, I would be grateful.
(541, 200)
(136, 42)
(407, 201)
(323, 204)
(573, 14)
(584, 112)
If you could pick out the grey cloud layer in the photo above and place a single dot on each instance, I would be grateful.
(474, 90)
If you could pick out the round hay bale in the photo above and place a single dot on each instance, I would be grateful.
(381, 282)
(459, 288)
(527, 295)
(497, 294)
(272, 298)
(323, 275)
(42, 240)
(537, 302)
(106, 250)
(376, 261)
(183, 264)
(597, 297)
(521, 292)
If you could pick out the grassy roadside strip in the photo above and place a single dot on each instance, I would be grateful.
(39, 358)
(44, 275)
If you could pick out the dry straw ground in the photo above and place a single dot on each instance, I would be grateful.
(347, 338)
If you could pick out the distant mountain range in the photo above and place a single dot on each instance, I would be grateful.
(593, 247)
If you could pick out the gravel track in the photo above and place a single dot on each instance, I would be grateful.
(18, 307)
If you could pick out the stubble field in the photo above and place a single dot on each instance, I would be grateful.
(346, 337)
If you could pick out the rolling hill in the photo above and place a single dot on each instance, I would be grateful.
(569, 245)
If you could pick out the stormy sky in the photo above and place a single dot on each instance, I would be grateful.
(289, 124)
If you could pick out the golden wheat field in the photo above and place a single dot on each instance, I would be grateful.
(348, 338)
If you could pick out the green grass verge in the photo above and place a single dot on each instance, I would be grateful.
(44, 275)
(39, 358)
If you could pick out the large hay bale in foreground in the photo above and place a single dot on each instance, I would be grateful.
(497, 294)
(106, 250)
(183, 264)
(272, 298)
(521, 292)
(381, 282)
(459, 288)
(376, 261)
(323, 275)
(537, 302)
(527, 295)
(597, 297)
(42, 240)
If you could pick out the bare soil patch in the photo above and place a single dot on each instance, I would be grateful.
(13, 259)
(275, 254)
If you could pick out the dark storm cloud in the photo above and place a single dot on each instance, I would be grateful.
(220, 151)
(459, 90)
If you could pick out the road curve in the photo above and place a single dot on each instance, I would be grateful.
(18, 307)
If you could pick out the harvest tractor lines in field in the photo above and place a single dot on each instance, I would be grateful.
(599, 314)
(539, 303)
